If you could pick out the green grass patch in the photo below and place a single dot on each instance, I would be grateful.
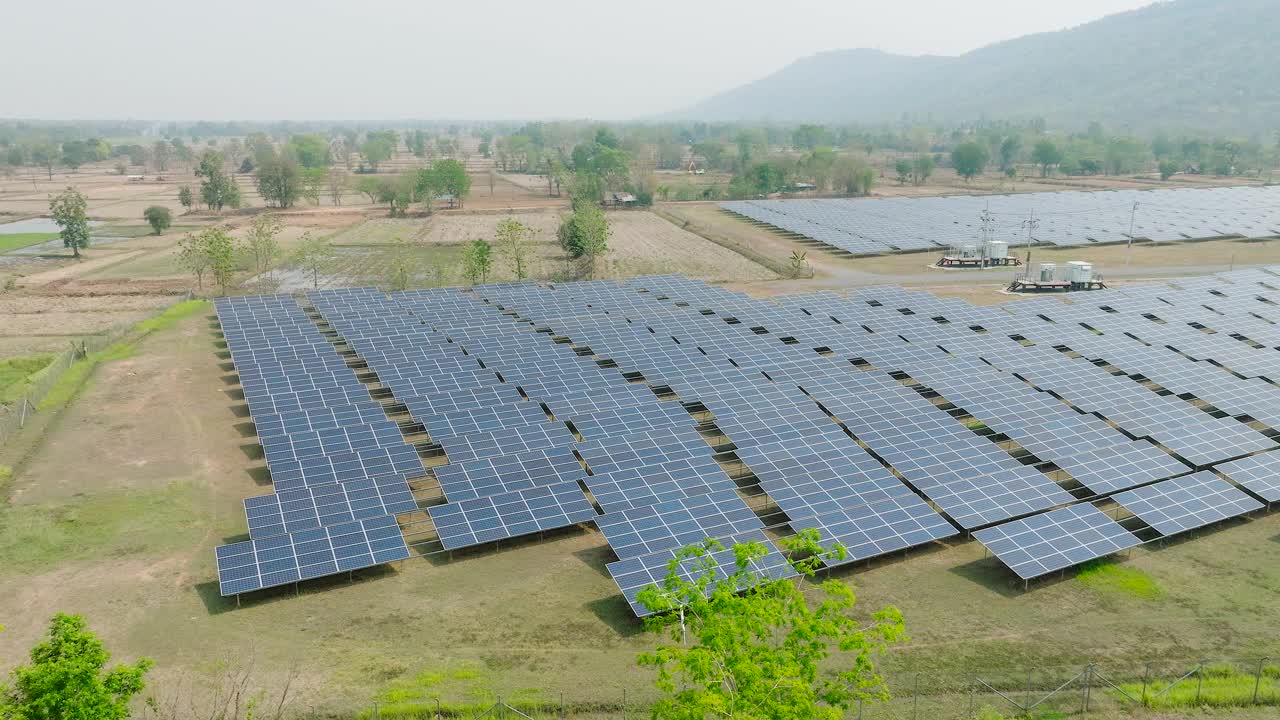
(15, 371)
(1219, 686)
(66, 387)
(17, 241)
(116, 524)
(1108, 576)
(975, 425)
(172, 315)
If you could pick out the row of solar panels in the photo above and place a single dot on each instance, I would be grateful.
(1064, 218)
(338, 466)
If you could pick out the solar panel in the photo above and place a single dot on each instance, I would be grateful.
(508, 473)
(283, 559)
(649, 448)
(508, 515)
(635, 574)
(1055, 540)
(677, 523)
(291, 511)
(1187, 502)
(1259, 474)
(651, 484)
(505, 441)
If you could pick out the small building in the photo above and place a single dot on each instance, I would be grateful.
(994, 253)
(624, 199)
(1077, 275)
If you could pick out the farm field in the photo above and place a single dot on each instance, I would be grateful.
(116, 513)
(640, 244)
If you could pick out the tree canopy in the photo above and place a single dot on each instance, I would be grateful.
(68, 678)
(217, 188)
(279, 181)
(969, 159)
(158, 217)
(70, 211)
(746, 646)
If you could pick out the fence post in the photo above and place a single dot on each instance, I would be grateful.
(1257, 680)
(561, 705)
(1199, 680)
(1088, 685)
(438, 713)
(915, 698)
(973, 690)
(22, 421)
(1146, 677)
(624, 704)
(1030, 699)
(859, 708)
(375, 710)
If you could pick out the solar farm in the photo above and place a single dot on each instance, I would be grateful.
(1064, 219)
(661, 412)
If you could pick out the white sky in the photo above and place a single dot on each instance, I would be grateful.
(470, 59)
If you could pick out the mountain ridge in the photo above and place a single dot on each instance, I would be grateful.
(1203, 64)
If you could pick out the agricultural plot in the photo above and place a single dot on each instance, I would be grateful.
(639, 243)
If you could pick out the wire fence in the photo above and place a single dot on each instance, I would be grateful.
(1040, 691)
(23, 403)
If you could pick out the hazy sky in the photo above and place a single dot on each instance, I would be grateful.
(473, 59)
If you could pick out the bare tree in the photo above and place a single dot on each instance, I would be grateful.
(337, 184)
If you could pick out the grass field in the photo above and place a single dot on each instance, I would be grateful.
(116, 513)
(17, 241)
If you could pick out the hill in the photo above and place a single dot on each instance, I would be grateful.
(1203, 64)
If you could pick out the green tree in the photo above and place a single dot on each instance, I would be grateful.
(903, 168)
(314, 255)
(186, 198)
(221, 249)
(515, 238)
(749, 647)
(376, 150)
(402, 266)
(70, 211)
(1009, 150)
(584, 234)
(1168, 168)
(310, 150)
(922, 168)
(1046, 154)
(217, 188)
(68, 678)
(969, 160)
(807, 137)
(314, 182)
(477, 261)
(279, 181)
(451, 177)
(159, 217)
(193, 257)
(262, 243)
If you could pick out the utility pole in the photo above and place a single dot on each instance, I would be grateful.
(1133, 216)
(1030, 224)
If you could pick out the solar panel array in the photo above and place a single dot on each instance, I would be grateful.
(872, 226)
(337, 464)
(881, 418)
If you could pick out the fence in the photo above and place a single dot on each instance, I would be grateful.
(15, 415)
(1105, 689)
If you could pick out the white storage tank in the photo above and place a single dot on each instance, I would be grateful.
(997, 250)
(1079, 271)
(1047, 271)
